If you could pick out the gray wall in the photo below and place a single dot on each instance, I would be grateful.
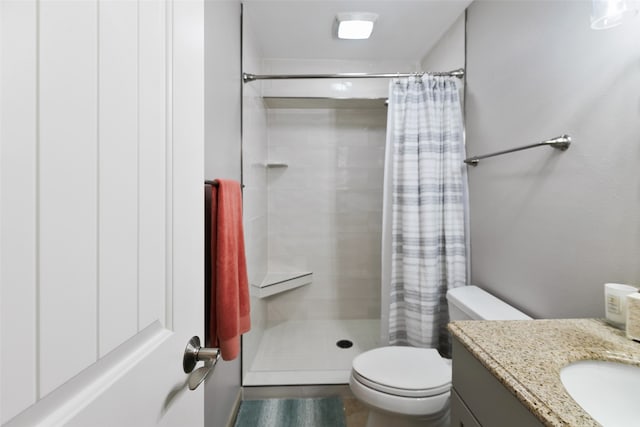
(222, 160)
(549, 228)
(448, 53)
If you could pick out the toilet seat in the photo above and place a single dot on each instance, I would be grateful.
(403, 371)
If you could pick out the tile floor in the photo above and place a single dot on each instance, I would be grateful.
(355, 412)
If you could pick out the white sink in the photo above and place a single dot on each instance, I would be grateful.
(608, 391)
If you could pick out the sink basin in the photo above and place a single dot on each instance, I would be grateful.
(608, 391)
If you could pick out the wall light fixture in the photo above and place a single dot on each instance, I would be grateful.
(607, 13)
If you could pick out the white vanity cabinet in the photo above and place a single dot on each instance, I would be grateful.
(479, 399)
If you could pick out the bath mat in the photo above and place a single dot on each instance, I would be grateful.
(320, 412)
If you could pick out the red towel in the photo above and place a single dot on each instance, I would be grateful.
(229, 292)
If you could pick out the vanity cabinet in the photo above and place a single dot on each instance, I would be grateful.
(461, 416)
(479, 399)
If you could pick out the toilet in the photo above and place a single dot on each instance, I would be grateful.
(408, 386)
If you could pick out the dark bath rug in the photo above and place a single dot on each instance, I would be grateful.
(319, 412)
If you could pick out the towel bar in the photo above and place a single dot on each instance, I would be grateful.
(215, 183)
(561, 143)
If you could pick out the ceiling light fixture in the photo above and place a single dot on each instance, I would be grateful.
(355, 25)
(607, 13)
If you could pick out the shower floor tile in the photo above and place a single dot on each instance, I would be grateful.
(305, 351)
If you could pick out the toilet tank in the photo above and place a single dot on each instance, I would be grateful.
(473, 303)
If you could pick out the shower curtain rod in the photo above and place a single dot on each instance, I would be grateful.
(248, 77)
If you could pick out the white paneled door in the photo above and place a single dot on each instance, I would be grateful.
(101, 172)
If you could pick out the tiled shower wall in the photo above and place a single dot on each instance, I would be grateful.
(325, 210)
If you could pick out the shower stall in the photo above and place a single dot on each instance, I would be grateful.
(313, 173)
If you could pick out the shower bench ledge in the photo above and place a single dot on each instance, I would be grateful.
(275, 283)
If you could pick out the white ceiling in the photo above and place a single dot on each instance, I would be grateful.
(304, 29)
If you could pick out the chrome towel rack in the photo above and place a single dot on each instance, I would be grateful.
(561, 143)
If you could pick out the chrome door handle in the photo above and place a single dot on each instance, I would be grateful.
(195, 353)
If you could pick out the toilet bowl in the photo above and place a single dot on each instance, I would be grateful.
(403, 386)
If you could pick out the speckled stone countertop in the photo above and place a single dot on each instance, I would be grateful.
(526, 357)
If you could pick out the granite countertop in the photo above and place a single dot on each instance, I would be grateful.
(526, 357)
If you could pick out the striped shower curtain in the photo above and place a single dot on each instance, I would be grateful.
(425, 237)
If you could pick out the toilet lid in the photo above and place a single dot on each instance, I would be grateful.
(404, 371)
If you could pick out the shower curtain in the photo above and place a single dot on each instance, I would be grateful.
(424, 250)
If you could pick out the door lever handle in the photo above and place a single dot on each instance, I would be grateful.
(195, 353)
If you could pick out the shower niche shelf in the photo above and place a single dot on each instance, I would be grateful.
(275, 283)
